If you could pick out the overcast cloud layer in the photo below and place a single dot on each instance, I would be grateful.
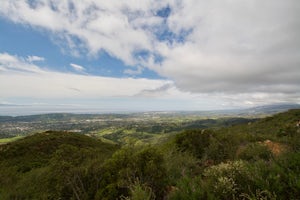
(239, 50)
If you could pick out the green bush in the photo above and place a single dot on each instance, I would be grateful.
(254, 152)
(189, 188)
(193, 141)
(129, 165)
(280, 178)
(223, 145)
(140, 192)
(227, 180)
(180, 164)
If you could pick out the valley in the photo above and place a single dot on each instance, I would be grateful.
(117, 128)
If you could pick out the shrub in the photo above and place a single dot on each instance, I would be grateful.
(193, 141)
(223, 146)
(227, 180)
(180, 164)
(140, 192)
(190, 188)
(129, 165)
(255, 151)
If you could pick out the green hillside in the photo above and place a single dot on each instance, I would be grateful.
(258, 160)
(254, 160)
(36, 150)
(30, 166)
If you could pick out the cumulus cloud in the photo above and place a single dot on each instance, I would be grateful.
(14, 64)
(236, 46)
(229, 48)
(115, 27)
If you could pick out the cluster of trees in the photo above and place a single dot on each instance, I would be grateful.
(249, 161)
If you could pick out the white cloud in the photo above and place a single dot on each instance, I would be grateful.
(100, 25)
(28, 80)
(6, 58)
(235, 46)
(231, 48)
(77, 67)
(138, 71)
(14, 64)
(25, 87)
(35, 58)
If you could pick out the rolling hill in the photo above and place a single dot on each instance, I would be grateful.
(258, 159)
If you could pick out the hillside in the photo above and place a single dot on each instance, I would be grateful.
(36, 150)
(27, 163)
(258, 159)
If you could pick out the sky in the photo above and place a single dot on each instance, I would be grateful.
(152, 55)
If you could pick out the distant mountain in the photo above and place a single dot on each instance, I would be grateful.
(5, 118)
(271, 109)
(254, 111)
(246, 112)
(58, 117)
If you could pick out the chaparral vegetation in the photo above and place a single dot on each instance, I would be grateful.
(257, 159)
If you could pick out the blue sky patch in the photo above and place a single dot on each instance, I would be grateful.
(164, 12)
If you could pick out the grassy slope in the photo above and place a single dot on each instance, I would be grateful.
(11, 139)
(36, 150)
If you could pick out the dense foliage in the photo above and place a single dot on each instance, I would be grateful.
(256, 160)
